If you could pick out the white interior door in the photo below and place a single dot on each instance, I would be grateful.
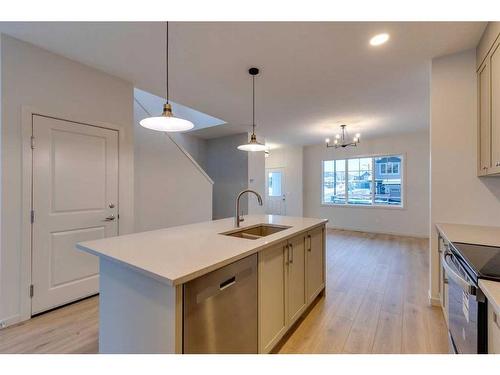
(75, 198)
(275, 191)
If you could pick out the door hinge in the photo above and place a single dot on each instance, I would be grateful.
(32, 216)
(32, 142)
(32, 288)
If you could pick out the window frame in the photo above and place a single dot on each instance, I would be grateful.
(402, 167)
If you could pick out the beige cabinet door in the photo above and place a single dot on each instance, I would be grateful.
(493, 330)
(495, 108)
(484, 126)
(272, 296)
(296, 277)
(315, 263)
(75, 198)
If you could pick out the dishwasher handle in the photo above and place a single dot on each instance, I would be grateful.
(226, 284)
(216, 287)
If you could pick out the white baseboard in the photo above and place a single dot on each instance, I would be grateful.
(331, 226)
(434, 301)
(11, 320)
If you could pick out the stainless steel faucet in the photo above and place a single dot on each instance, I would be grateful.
(237, 218)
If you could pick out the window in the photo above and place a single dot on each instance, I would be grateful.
(391, 168)
(367, 181)
(274, 184)
(334, 181)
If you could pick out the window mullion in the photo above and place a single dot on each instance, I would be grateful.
(373, 181)
(346, 182)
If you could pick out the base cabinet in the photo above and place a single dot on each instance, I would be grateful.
(296, 270)
(443, 279)
(493, 330)
(272, 296)
(315, 263)
(291, 275)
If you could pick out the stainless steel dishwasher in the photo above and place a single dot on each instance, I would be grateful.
(220, 310)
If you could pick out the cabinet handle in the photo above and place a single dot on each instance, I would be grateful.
(291, 253)
(309, 236)
(287, 260)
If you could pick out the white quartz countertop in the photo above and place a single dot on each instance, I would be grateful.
(491, 290)
(480, 235)
(178, 254)
(474, 234)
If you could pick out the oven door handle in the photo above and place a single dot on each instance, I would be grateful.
(455, 276)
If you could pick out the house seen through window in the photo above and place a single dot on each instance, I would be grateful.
(367, 181)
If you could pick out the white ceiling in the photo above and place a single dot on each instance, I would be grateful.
(314, 76)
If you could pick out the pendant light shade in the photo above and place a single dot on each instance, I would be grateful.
(253, 145)
(167, 122)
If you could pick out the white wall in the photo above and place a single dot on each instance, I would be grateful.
(195, 146)
(290, 158)
(457, 194)
(169, 188)
(412, 220)
(228, 167)
(49, 83)
(256, 181)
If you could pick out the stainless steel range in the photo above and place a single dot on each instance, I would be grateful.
(465, 264)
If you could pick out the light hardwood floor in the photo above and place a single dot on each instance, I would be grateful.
(375, 302)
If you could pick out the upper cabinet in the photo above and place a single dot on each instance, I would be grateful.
(484, 125)
(488, 94)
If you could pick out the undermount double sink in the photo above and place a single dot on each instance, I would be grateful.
(257, 231)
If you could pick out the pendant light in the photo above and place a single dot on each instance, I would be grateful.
(253, 145)
(166, 122)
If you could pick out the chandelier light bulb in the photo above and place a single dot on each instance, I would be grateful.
(344, 139)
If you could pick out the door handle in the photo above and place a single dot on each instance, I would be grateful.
(110, 218)
(456, 277)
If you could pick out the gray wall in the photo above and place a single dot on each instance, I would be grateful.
(228, 167)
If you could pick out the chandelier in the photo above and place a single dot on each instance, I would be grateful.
(341, 139)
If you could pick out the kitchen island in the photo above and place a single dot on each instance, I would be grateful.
(143, 277)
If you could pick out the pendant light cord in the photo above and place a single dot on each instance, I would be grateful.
(166, 61)
(253, 104)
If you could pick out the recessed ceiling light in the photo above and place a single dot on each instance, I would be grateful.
(379, 39)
